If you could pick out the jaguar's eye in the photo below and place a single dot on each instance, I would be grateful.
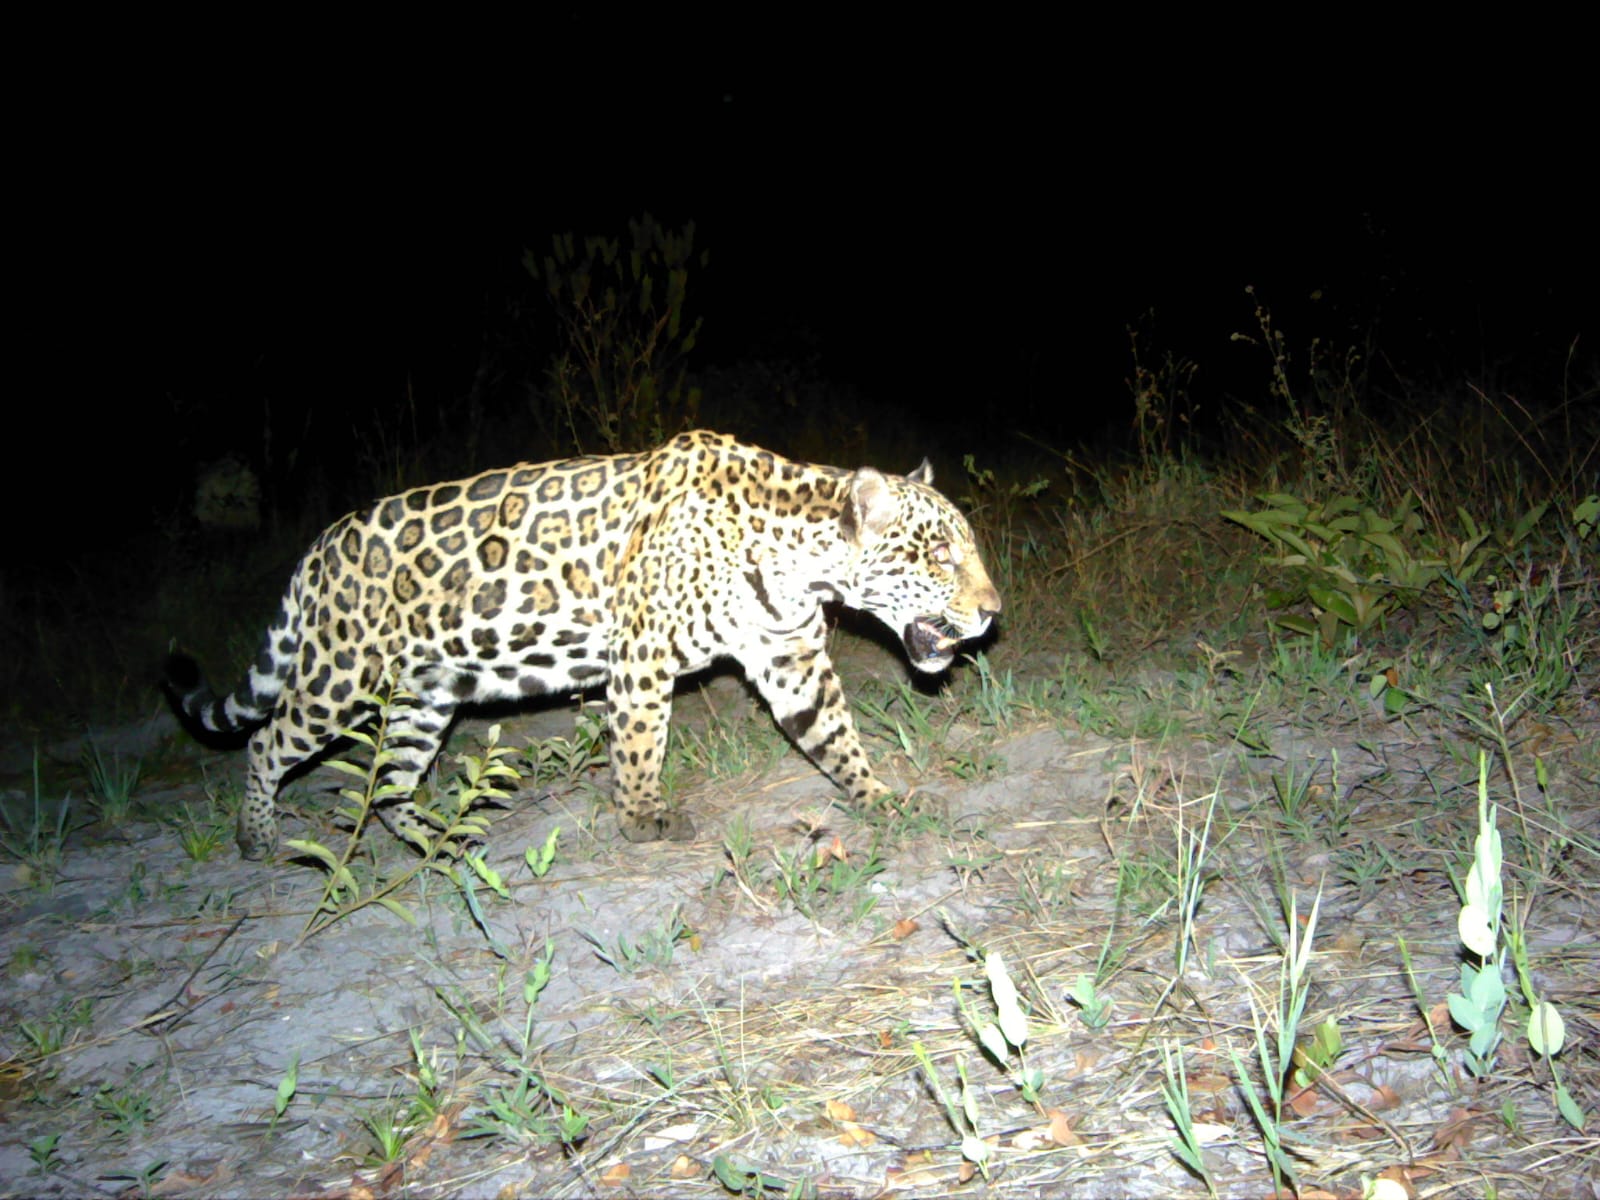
(941, 554)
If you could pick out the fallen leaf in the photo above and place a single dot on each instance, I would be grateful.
(921, 1181)
(1383, 1097)
(1362, 1131)
(904, 928)
(684, 1167)
(965, 1172)
(1349, 941)
(1206, 1081)
(443, 1125)
(1304, 1102)
(616, 1174)
(1394, 1177)
(1061, 1129)
(1032, 1139)
(1455, 1133)
(685, 1131)
(835, 849)
(1085, 1061)
(885, 1040)
(851, 1134)
(174, 1182)
(838, 1110)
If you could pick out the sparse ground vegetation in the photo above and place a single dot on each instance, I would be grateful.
(1259, 852)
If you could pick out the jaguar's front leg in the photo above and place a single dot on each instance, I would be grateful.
(640, 696)
(801, 687)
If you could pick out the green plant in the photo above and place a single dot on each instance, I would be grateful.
(1537, 635)
(1193, 872)
(815, 876)
(42, 1150)
(653, 948)
(1007, 1033)
(1478, 1006)
(569, 760)
(201, 836)
(1044, 889)
(450, 813)
(50, 1035)
(905, 718)
(126, 1109)
(1364, 865)
(1096, 1008)
(1313, 1060)
(961, 1110)
(1435, 1046)
(997, 699)
(37, 841)
(1332, 386)
(1276, 1055)
(742, 1179)
(619, 378)
(1175, 1095)
(1292, 789)
(739, 842)
(287, 1086)
(540, 861)
(529, 1108)
(738, 847)
(995, 509)
(111, 782)
(968, 766)
(428, 1098)
(1161, 401)
(144, 1183)
(523, 1112)
(390, 1126)
(25, 957)
(1352, 563)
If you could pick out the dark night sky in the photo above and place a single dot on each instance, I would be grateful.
(971, 255)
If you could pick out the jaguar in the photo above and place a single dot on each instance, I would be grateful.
(626, 570)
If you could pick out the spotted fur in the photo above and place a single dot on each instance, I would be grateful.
(627, 570)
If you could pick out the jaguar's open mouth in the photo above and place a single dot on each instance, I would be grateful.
(930, 643)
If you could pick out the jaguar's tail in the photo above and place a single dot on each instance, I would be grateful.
(252, 701)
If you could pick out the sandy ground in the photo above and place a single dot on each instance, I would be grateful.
(750, 1035)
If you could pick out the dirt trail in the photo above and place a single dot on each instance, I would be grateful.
(733, 1029)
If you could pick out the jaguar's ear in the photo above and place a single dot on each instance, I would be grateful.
(923, 474)
(870, 507)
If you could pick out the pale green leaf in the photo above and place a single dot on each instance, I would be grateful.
(398, 909)
(993, 1040)
(319, 852)
(1477, 933)
(1463, 1013)
(1547, 1032)
(1569, 1109)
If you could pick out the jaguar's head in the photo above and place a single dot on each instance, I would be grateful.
(918, 569)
